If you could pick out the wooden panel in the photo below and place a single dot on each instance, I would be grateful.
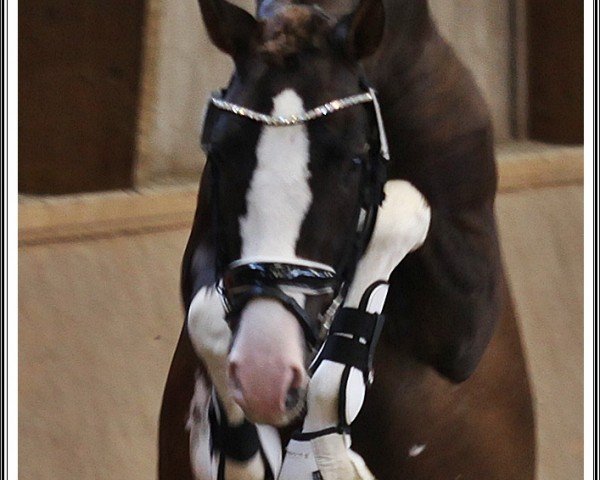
(79, 66)
(555, 30)
(181, 67)
(70, 218)
(80, 217)
(533, 165)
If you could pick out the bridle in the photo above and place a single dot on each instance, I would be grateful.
(241, 281)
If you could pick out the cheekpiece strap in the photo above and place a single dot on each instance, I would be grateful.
(209, 117)
(383, 143)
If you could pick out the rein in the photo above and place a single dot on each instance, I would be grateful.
(241, 281)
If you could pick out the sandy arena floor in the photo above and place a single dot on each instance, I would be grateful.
(99, 319)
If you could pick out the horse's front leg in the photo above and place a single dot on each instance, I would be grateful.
(338, 386)
(224, 445)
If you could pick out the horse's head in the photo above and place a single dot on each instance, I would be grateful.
(289, 179)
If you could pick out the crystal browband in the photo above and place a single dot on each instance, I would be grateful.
(279, 121)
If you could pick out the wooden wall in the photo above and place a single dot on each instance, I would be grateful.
(480, 32)
(111, 93)
(182, 67)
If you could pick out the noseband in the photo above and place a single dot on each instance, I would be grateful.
(242, 281)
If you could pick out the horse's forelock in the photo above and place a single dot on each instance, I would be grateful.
(292, 29)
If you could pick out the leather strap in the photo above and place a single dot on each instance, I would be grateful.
(237, 300)
(352, 340)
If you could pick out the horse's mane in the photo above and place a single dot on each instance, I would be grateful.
(293, 28)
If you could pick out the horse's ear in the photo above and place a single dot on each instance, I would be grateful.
(229, 27)
(361, 31)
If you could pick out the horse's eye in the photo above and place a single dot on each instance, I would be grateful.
(357, 161)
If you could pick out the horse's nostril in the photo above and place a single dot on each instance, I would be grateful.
(297, 388)
(292, 399)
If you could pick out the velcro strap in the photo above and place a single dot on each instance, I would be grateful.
(355, 322)
(240, 442)
(347, 351)
(339, 347)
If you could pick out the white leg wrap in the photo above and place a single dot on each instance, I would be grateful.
(335, 397)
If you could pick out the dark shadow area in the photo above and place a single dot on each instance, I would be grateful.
(79, 76)
(555, 33)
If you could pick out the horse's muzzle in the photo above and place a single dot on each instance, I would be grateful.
(267, 363)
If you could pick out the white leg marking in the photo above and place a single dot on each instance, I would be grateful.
(199, 428)
(279, 195)
(402, 226)
(271, 443)
(211, 337)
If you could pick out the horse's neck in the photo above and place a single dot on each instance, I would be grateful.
(437, 121)
(436, 118)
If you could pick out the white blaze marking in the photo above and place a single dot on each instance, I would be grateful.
(279, 195)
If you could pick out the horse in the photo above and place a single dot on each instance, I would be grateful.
(451, 396)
